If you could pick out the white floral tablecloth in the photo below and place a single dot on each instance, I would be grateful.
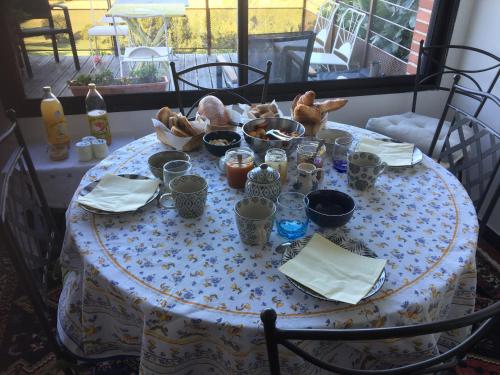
(185, 294)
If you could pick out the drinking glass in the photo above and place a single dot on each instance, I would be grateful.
(174, 169)
(341, 149)
(291, 217)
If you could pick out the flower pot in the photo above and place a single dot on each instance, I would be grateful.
(129, 88)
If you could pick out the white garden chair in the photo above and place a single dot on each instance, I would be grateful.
(105, 28)
(343, 45)
(324, 24)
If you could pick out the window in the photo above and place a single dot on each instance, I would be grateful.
(336, 47)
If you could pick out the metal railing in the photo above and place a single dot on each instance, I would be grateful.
(369, 25)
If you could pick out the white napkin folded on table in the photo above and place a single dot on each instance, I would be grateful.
(119, 194)
(332, 271)
(393, 153)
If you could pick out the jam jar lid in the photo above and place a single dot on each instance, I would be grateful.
(263, 174)
(239, 155)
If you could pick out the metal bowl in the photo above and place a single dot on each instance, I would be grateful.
(260, 146)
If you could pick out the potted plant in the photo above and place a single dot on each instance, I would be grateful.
(144, 78)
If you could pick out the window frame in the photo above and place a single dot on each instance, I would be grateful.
(12, 91)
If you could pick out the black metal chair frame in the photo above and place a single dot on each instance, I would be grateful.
(289, 50)
(425, 54)
(48, 242)
(232, 92)
(52, 31)
(473, 148)
(484, 318)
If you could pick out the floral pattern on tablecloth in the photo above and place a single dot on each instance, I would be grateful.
(186, 294)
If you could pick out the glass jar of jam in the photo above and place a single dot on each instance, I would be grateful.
(239, 161)
(276, 158)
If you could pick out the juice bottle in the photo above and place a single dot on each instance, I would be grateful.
(97, 114)
(55, 125)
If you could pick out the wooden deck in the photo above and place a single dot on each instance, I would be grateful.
(46, 72)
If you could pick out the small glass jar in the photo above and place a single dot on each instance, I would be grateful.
(276, 158)
(239, 161)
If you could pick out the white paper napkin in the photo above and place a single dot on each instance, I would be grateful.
(393, 153)
(119, 194)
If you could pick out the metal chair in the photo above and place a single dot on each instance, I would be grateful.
(222, 92)
(324, 24)
(475, 159)
(419, 129)
(42, 9)
(289, 52)
(28, 231)
(343, 44)
(484, 318)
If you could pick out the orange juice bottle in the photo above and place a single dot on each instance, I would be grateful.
(97, 114)
(55, 125)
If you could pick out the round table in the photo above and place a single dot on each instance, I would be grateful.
(185, 294)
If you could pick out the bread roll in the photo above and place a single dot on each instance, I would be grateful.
(164, 114)
(306, 114)
(184, 125)
(178, 132)
(307, 98)
(213, 109)
(172, 121)
(332, 105)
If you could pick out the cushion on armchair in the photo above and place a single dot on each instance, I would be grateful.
(414, 128)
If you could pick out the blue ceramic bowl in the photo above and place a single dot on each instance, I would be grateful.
(330, 208)
(233, 138)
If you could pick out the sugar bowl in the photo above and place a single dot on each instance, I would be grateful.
(263, 181)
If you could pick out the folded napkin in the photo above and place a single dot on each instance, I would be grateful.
(332, 271)
(393, 153)
(119, 194)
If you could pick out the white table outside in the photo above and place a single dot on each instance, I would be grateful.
(185, 295)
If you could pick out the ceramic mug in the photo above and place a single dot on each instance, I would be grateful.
(255, 218)
(189, 193)
(363, 169)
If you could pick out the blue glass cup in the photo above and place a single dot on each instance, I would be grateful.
(341, 150)
(291, 217)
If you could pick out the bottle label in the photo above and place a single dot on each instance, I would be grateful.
(57, 133)
(99, 124)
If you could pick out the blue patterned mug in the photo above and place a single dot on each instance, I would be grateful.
(363, 170)
(189, 193)
(255, 218)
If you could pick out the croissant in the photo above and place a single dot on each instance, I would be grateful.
(304, 113)
(307, 98)
(295, 101)
(332, 105)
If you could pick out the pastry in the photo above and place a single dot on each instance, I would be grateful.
(308, 114)
(213, 109)
(307, 98)
(332, 105)
(178, 132)
(164, 114)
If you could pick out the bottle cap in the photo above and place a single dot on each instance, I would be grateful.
(91, 85)
(47, 88)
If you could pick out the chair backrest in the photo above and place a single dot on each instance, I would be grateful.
(427, 61)
(324, 21)
(289, 52)
(484, 318)
(347, 32)
(28, 231)
(230, 93)
(475, 159)
(31, 9)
